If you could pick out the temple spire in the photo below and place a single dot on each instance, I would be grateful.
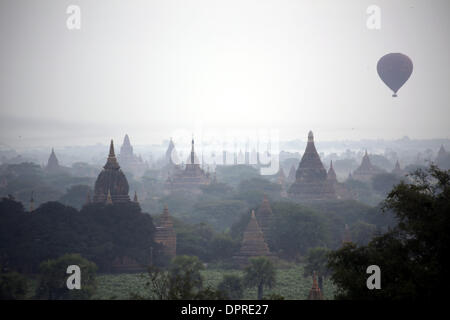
(135, 197)
(111, 163)
(315, 293)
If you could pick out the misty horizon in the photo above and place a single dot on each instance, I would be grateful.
(198, 65)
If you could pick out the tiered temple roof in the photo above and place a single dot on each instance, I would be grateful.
(264, 217)
(111, 182)
(165, 234)
(398, 170)
(311, 177)
(53, 163)
(191, 176)
(315, 293)
(366, 170)
(442, 158)
(129, 161)
(331, 175)
(253, 244)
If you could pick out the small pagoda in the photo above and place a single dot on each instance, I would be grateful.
(264, 216)
(311, 182)
(253, 244)
(165, 234)
(315, 293)
(366, 170)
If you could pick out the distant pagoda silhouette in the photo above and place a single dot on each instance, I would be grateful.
(366, 170)
(129, 161)
(165, 234)
(191, 177)
(311, 182)
(111, 185)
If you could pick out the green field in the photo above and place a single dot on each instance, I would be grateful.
(290, 284)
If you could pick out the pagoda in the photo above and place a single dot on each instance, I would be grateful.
(191, 177)
(264, 217)
(311, 182)
(53, 164)
(111, 185)
(442, 159)
(398, 171)
(129, 161)
(165, 234)
(253, 244)
(366, 170)
(315, 293)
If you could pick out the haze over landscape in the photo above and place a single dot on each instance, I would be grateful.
(224, 150)
(149, 68)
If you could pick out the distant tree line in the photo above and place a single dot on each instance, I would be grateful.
(98, 232)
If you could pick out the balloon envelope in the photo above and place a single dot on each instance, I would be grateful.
(395, 69)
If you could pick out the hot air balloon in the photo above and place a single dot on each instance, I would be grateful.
(394, 69)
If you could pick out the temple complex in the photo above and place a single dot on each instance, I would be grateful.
(311, 183)
(111, 185)
(129, 161)
(398, 171)
(366, 170)
(315, 293)
(189, 178)
(165, 234)
(264, 218)
(253, 243)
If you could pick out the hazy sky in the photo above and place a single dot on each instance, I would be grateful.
(149, 68)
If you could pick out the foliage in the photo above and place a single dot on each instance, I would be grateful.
(233, 175)
(383, 182)
(53, 277)
(76, 196)
(182, 281)
(13, 285)
(98, 232)
(232, 287)
(260, 273)
(295, 229)
(413, 255)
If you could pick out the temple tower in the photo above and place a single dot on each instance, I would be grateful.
(111, 182)
(311, 182)
(315, 293)
(331, 175)
(366, 170)
(264, 217)
(165, 234)
(253, 244)
(53, 163)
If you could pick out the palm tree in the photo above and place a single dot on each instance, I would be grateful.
(260, 273)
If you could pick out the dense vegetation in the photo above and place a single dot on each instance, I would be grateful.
(413, 255)
(99, 233)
